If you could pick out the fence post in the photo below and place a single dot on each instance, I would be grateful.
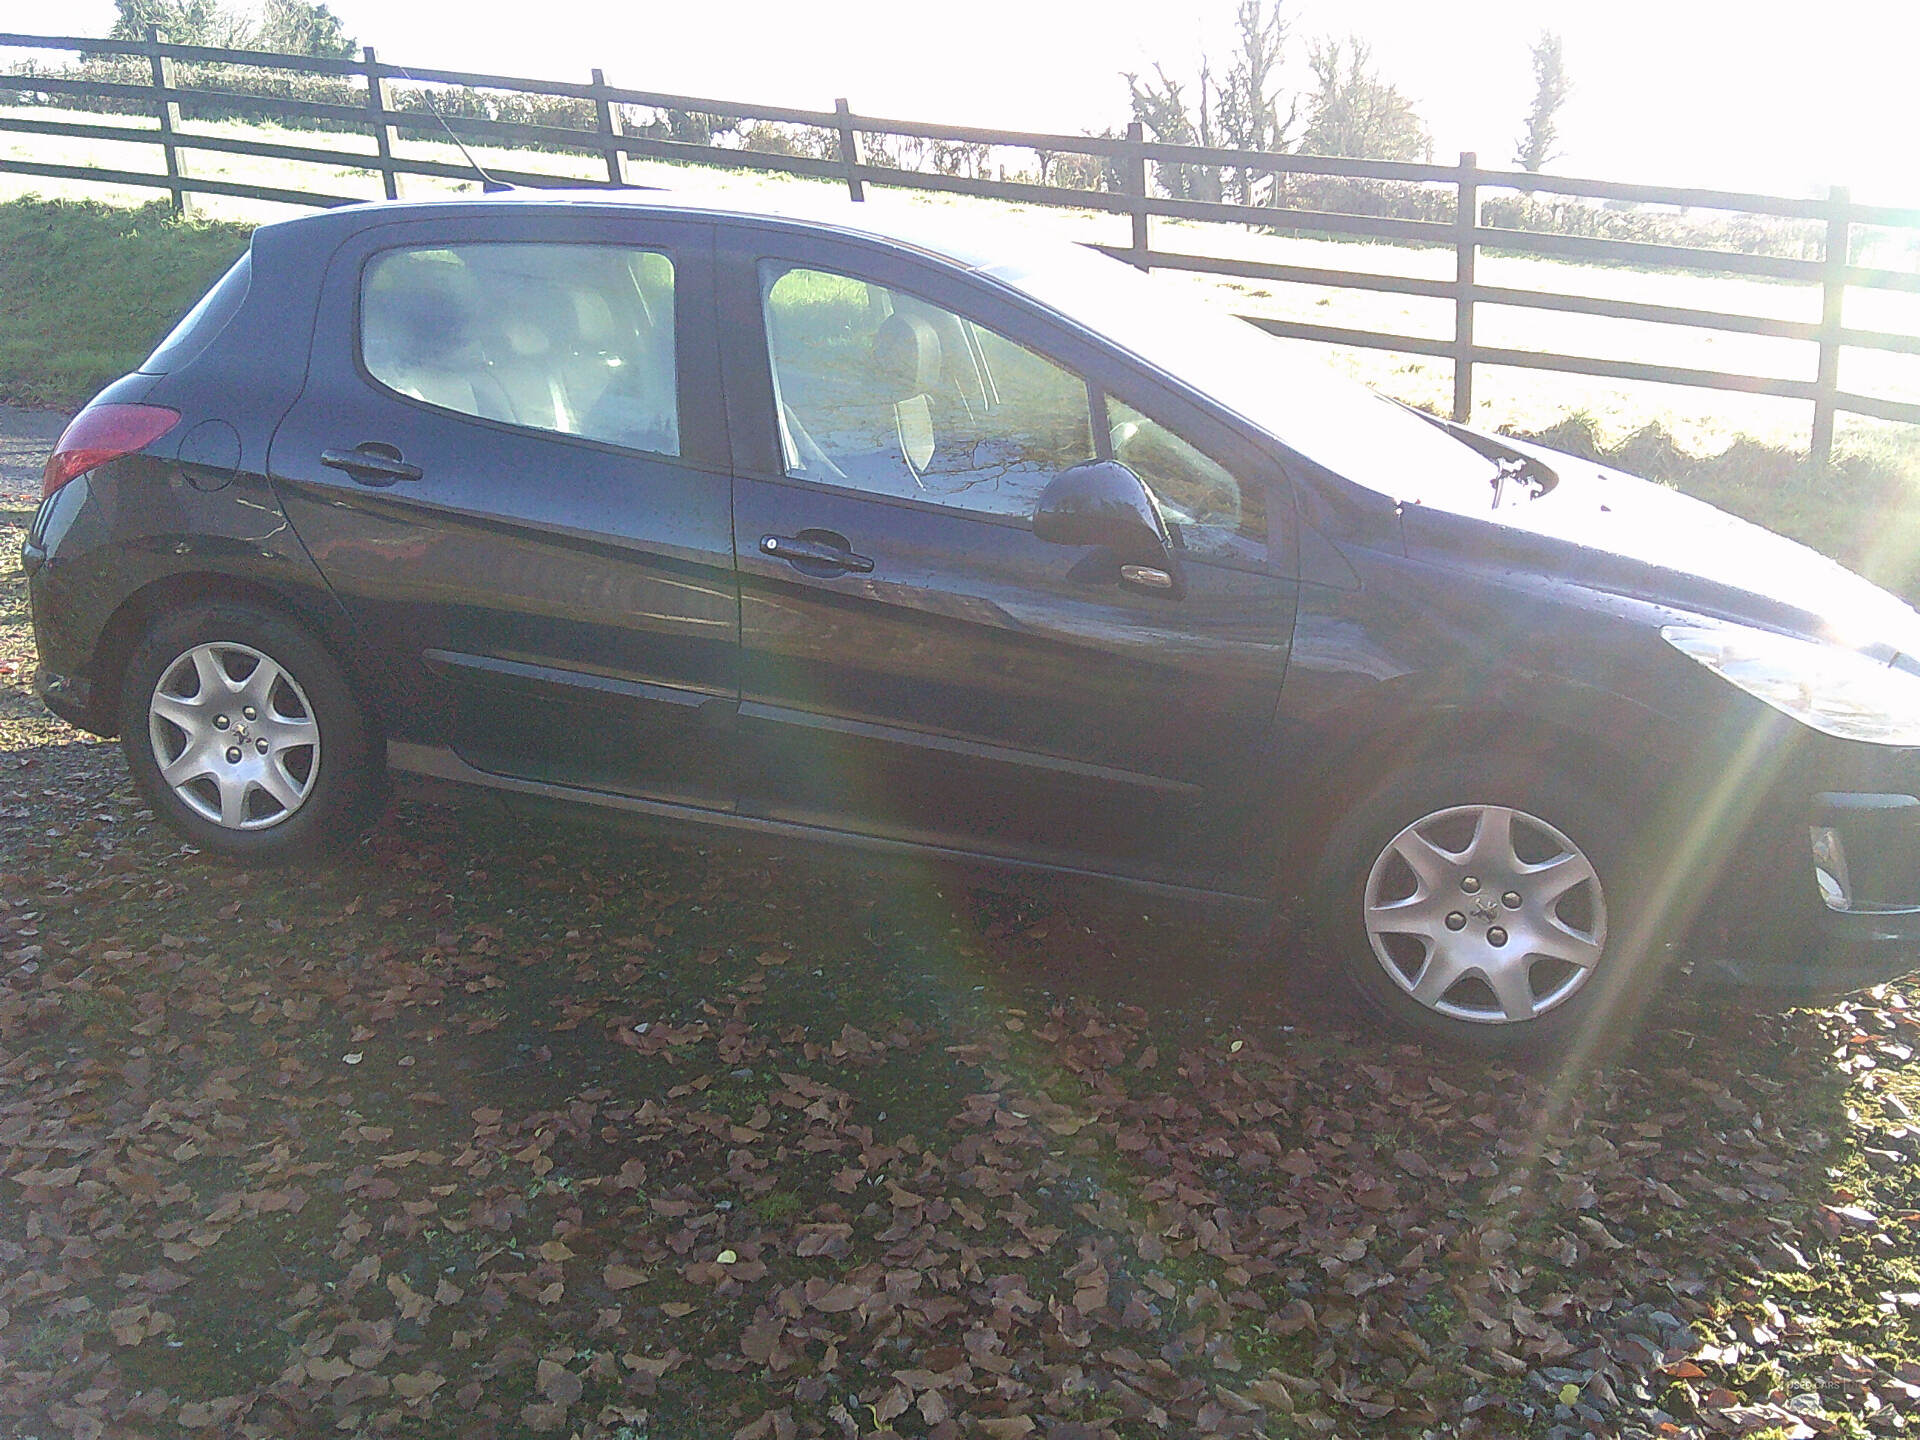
(1133, 172)
(1466, 220)
(849, 148)
(1833, 303)
(379, 102)
(610, 131)
(169, 113)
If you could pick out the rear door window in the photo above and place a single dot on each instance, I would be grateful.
(568, 339)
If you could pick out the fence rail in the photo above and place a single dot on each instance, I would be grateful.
(1123, 167)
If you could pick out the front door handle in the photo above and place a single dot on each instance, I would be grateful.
(371, 464)
(804, 551)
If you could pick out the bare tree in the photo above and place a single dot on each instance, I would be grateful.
(1247, 102)
(960, 158)
(1354, 113)
(296, 27)
(1551, 86)
(1160, 105)
(185, 22)
(301, 27)
(1078, 170)
(1240, 111)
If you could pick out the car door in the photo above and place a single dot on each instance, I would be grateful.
(510, 463)
(916, 664)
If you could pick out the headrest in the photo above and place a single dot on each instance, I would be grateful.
(426, 316)
(906, 356)
(534, 318)
(525, 339)
(593, 320)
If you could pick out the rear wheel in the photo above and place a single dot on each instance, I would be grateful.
(243, 735)
(1490, 914)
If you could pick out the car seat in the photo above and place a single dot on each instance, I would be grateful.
(418, 337)
(907, 367)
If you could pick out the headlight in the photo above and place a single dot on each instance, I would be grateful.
(1835, 691)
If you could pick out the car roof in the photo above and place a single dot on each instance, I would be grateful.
(969, 241)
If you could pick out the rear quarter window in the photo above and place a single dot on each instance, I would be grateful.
(202, 325)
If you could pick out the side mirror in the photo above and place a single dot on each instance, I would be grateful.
(1103, 503)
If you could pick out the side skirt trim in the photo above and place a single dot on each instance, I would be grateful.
(439, 763)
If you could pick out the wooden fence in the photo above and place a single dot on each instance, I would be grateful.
(1122, 168)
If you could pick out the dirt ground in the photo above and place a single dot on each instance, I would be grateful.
(26, 437)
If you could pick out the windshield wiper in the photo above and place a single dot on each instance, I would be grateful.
(1505, 469)
(1508, 464)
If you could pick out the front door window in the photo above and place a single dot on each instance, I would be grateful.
(882, 392)
(1209, 510)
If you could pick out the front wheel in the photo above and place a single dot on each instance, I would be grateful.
(1492, 916)
(243, 735)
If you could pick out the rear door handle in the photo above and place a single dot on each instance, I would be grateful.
(802, 551)
(371, 464)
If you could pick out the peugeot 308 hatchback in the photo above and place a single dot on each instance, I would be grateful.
(841, 527)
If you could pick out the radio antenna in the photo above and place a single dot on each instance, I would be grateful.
(488, 185)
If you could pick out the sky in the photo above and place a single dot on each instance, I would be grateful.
(1751, 95)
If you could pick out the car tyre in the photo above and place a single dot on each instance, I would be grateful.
(1489, 907)
(242, 734)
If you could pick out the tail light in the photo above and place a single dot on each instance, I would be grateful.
(101, 433)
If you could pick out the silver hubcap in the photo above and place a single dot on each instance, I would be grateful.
(1486, 914)
(234, 736)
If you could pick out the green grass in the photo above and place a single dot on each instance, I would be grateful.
(87, 289)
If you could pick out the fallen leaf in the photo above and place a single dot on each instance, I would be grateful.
(560, 1385)
(418, 1385)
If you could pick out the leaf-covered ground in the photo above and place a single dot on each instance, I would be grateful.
(501, 1129)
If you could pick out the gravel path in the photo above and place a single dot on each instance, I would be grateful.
(44, 762)
(26, 438)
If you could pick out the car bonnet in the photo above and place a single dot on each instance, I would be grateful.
(1691, 554)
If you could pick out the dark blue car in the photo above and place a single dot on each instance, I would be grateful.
(978, 550)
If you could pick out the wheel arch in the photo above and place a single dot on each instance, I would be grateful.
(136, 614)
(1589, 776)
(1546, 729)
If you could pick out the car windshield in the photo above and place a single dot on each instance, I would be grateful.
(1335, 422)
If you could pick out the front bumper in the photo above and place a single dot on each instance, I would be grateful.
(1848, 953)
(73, 699)
(1853, 910)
